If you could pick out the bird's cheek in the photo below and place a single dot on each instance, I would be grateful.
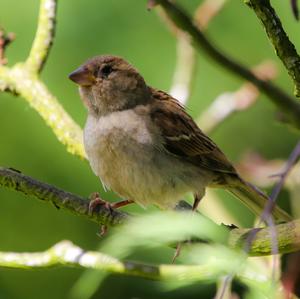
(86, 96)
(127, 83)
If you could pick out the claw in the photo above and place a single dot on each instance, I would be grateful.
(96, 201)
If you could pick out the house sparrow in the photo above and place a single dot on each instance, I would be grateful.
(143, 145)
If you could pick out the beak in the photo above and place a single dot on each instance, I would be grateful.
(82, 76)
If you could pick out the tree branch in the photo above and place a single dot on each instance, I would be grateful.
(288, 238)
(75, 204)
(286, 103)
(184, 70)
(288, 234)
(228, 103)
(44, 36)
(66, 253)
(185, 63)
(285, 49)
(292, 160)
(23, 82)
(23, 79)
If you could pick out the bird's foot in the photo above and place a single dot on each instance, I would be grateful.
(96, 202)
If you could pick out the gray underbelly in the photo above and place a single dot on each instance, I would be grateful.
(147, 175)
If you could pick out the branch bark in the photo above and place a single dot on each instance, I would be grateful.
(288, 238)
(284, 48)
(285, 102)
(75, 204)
(288, 234)
(44, 36)
(23, 79)
(67, 254)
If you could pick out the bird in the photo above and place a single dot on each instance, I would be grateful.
(144, 146)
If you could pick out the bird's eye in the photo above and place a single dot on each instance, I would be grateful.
(105, 71)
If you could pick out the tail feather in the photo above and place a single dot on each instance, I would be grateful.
(256, 200)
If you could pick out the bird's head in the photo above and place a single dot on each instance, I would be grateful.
(109, 83)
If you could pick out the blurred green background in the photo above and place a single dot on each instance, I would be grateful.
(125, 28)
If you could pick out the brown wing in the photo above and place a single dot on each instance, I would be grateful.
(183, 137)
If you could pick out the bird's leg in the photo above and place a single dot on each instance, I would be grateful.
(96, 201)
(197, 198)
(177, 252)
(121, 203)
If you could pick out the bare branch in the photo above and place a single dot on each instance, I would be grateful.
(287, 234)
(293, 158)
(75, 204)
(286, 103)
(67, 254)
(285, 49)
(21, 81)
(184, 70)
(206, 11)
(44, 36)
(185, 63)
(228, 103)
(257, 169)
(295, 9)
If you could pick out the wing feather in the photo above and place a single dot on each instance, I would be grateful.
(183, 138)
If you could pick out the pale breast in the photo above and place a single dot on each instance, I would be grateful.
(121, 152)
(116, 145)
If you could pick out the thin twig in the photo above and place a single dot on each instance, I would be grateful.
(258, 169)
(295, 9)
(276, 190)
(184, 69)
(228, 103)
(206, 11)
(286, 103)
(185, 63)
(285, 49)
(267, 212)
(44, 36)
(293, 158)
